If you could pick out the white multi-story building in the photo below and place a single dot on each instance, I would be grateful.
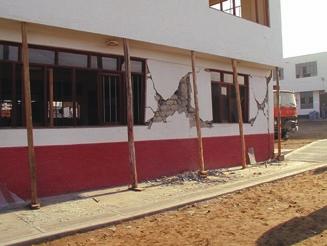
(79, 43)
(307, 77)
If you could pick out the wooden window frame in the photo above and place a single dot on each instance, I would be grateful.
(98, 70)
(233, 11)
(230, 86)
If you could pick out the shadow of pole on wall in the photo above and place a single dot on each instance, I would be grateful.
(296, 229)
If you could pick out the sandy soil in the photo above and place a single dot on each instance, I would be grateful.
(285, 212)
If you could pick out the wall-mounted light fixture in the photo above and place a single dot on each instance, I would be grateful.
(111, 42)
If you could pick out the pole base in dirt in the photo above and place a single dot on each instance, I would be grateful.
(135, 189)
(280, 158)
(34, 206)
(203, 174)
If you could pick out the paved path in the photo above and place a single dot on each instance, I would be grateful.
(314, 152)
(66, 214)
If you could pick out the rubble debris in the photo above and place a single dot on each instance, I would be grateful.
(214, 176)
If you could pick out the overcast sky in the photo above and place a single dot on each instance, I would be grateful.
(304, 26)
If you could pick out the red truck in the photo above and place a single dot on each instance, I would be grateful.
(288, 113)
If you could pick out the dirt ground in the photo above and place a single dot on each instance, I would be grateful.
(285, 212)
(309, 131)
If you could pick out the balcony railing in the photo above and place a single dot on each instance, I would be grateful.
(253, 10)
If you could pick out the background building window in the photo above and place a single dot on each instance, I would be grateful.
(224, 104)
(306, 100)
(281, 74)
(307, 69)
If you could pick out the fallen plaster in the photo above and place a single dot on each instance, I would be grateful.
(179, 102)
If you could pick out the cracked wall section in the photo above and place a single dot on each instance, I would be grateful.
(179, 102)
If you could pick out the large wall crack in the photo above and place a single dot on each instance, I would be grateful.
(264, 104)
(179, 102)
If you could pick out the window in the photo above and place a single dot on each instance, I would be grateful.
(307, 69)
(253, 10)
(41, 56)
(88, 89)
(86, 105)
(224, 103)
(281, 74)
(72, 59)
(109, 63)
(38, 95)
(112, 99)
(8, 52)
(232, 7)
(65, 110)
(306, 100)
(6, 98)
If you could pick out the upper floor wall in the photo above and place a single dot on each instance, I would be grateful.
(305, 73)
(186, 24)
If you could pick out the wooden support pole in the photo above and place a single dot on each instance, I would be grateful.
(279, 120)
(239, 112)
(130, 116)
(28, 118)
(256, 11)
(202, 171)
(50, 80)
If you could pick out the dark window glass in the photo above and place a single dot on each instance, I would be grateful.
(137, 98)
(72, 59)
(86, 97)
(109, 63)
(224, 103)
(38, 96)
(6, 100)
(94, 62)
(80, 96)
(63, 98)
(306, 100)
(136, 66)
(8, 52)
(41, 56)
(219, 102)
(19, 96)
(112, 99)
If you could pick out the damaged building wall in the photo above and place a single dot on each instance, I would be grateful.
(166, 66)
(71, 159)
(166, 77)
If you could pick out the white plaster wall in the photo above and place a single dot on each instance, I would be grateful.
(167, 66)
(319, 82)
(186, 24)
(316, 104)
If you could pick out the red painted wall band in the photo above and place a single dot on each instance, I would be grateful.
(64, 169)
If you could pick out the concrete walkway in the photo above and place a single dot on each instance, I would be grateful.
(67, 214)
